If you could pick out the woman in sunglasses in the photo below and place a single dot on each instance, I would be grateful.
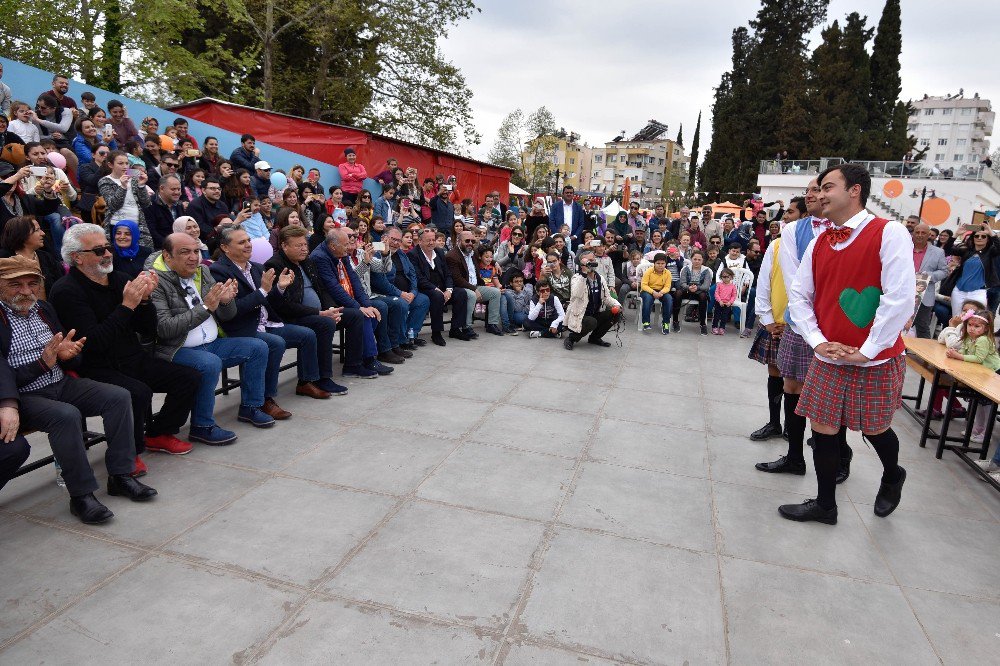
(977, 272)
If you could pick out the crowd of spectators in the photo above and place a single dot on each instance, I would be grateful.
(136, 259)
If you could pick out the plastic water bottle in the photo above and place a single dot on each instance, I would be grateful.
(59, 477)
(410, 334)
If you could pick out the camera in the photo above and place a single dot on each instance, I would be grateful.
(38, 172)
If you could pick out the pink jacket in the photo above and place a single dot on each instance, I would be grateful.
(351, 177)
(725, 294)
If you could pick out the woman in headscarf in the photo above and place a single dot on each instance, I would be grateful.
(127, 255)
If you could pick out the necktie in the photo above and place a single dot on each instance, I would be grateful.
(838, 234)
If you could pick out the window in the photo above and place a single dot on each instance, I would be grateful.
(960, 142)
(650, 160)
(571, 174)
(939, 157)
(925, 142)
(942, 142)
(611, 159)
(661, 162)
(928, 112)
(597, 174)
(675, 164)
(599, 158)
(966, 111)
(946, 112)
(555, 159)
(911, 128)
(959, 157)
(572, 160)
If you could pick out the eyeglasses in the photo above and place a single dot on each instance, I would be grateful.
(172, 165)
(978, 236)
(98, 251)
(189, 290)
(517, 235)
(102, 152)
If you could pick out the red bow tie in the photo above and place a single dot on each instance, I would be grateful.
(838, 234)
(820, 222)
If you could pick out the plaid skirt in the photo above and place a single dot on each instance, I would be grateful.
(861, 398)
(764, 348)
(794, 356)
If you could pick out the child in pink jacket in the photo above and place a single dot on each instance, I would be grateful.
(725, 296)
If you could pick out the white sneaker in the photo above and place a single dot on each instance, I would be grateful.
(987, 465)
(995, 476)
(535, 334)
(977, 437)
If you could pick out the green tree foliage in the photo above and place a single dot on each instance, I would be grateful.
(693, 167)
(508, 147)
(540, 126)
(680, 135)
(364, 62)
(885, 135)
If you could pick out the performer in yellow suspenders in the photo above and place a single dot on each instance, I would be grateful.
(770, 305)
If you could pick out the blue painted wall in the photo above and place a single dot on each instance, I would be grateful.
(27, 83)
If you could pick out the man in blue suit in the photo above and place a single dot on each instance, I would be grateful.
(568, 211)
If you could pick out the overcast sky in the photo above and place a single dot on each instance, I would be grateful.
(603, 66)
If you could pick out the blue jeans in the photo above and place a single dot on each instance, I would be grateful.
(54, 220)
(666, 302)
(210, 358)
(509, 316)
(278, 339)
(324, 328)
(416, 311)
(394, 316)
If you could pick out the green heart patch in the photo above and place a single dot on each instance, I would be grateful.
(860, 306)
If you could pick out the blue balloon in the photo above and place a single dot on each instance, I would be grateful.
(279, 181)
(372, 186)
(334, 178)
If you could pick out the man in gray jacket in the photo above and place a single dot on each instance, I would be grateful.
(186, 298)
(935, 265)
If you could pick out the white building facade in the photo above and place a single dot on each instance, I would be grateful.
(954, 129)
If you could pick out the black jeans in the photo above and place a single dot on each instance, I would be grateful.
(596, 326)
(58, 409)
(681, 295)
(353, 323)
(12, 456)
(148, 376)
(542, 326)
(324, 328)
(459, 309)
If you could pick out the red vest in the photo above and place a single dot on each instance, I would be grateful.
(848, 286)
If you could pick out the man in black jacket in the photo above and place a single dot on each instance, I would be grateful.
(108, 309)
(165, 208)
(39, 351)
(307, 303)
(206, 208)
(434, 280)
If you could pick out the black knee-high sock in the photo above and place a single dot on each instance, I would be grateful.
(775, 387)
(796, 426)
(886, 445)
(845, 450)
(826, 459)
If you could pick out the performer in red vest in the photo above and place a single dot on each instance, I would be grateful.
(851, 298)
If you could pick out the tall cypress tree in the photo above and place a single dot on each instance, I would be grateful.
(886, 137)
(693, 167)
(680, 135)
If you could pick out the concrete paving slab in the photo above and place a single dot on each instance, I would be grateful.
(449, 563)
(558, 433)
(963, 630)
(685, 412)
(650, 447)
(411, 411)
(559, 395)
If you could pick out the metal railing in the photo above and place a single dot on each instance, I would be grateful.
(878, 169)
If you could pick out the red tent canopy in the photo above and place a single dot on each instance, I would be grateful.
(325, 142)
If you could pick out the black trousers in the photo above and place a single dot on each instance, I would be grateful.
(681, 295)
(596, 326)
(353, 322)
(152, 375)
(12, 456)
(58, 409)
(459, 309)
(324, 328)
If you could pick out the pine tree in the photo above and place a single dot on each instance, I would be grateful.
(693, 168)
(886, 136)
(794, 119)
(680, 135)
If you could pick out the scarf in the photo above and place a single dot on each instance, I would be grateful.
(132, 250)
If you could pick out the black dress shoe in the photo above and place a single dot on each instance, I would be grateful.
(471, 332)
(390, 357)
(438, 339)
(889, 495)
(123, 484)
(845, 467)
(784, 432)
(783, 466)
(598, 342)
(568, 344)
(89, 510)
(419, 342)
(458, 334)
(494, 329)
(399, 351)
(808, 510)
(768, 431)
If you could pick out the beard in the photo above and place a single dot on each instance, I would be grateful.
(105, 270)
(22, 303)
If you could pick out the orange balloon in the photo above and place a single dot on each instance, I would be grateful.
(935, 211)
(892, 188)
(166, 143)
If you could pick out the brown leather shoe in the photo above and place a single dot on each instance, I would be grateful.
(310, 390)
(272, 409)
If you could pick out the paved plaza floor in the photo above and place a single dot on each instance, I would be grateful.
(506, 501)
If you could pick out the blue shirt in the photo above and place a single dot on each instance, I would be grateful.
(973, 275)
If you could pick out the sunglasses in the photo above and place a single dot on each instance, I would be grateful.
(977, 236)
(98, 251)
(172, 165)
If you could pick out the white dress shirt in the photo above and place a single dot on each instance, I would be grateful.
(788, 255)
(899, 289)
(567, 215)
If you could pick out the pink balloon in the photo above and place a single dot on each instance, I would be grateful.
(261, 250)
(56, 159)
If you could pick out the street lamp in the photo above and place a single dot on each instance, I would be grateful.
(922, 195)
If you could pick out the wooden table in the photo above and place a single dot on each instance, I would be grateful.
(972, 380)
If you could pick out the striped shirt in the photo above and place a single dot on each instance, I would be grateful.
(28, 336)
